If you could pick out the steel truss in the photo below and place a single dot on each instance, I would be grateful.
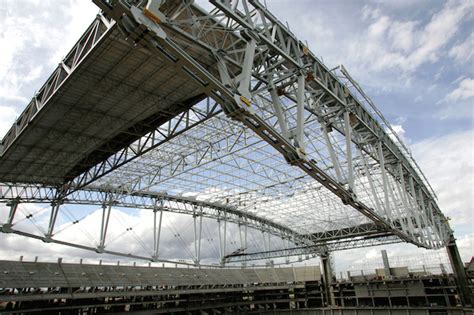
(91, 38)
(175, 126)
(309, 251)
(315, 244)
(264, 77)
(270, 102)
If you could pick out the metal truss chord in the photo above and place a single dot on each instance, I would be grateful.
(91, 38)
(190, 206)
(310, 251)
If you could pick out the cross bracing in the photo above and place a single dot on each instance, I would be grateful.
(279, 136)
(321, 242)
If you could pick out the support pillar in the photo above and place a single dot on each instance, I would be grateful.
(197, 238)
(327, 278)
(386, 264)
(348, 135)
(52, 219)
(106, 208)
(157, 230)
(221, 250)
(459, 272)
(6, 227)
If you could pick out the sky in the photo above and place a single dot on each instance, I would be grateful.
(413, 58)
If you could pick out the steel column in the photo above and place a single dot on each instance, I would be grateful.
(6, 227)
(157, 230)
(106, 209)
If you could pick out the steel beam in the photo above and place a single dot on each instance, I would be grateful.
(293, 55)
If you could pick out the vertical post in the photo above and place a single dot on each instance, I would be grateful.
(397, 209)
(247, 65)
(240, 235)
(384, 179)
(332, 154)
(408, 203)
(277, 107)
(220, 240)
(300, 114)
(371, 183)
(401, 190)
(245, 243)
(269, 243)
(52, 218)
(225, 237)
(199, 239)
(106, 208)
(348, 134)
(195, 237)
(11, 215)
(438, 225)
(157, 231)
(420, 214)
(386, 264)
(245, 235)
(327, 277)
(223, 72)
(264, 241)
(424, 209)
(459, 272)
(433, 223)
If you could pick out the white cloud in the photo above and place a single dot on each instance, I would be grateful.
(34, 73)
(400, 131)
(448, 163)
(459, 102)
(439, 31)
(6, 119)
(391, 45)
(464, 91)
(369, 12)
(402, 35)
(465, 245)
(463, 52)
(379, 27)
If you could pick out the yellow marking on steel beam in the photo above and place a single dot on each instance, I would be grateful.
(305, 50)
(245, 100)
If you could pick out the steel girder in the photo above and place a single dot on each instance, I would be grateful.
(309, 251)
(313, 244)
(363, 235)
(266, 78)
(14, 193)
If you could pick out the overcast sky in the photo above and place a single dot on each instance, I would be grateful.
(414, 59)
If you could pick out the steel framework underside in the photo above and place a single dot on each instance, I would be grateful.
(222, 114)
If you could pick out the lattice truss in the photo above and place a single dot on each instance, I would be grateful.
(223, 162)
(281, 143)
